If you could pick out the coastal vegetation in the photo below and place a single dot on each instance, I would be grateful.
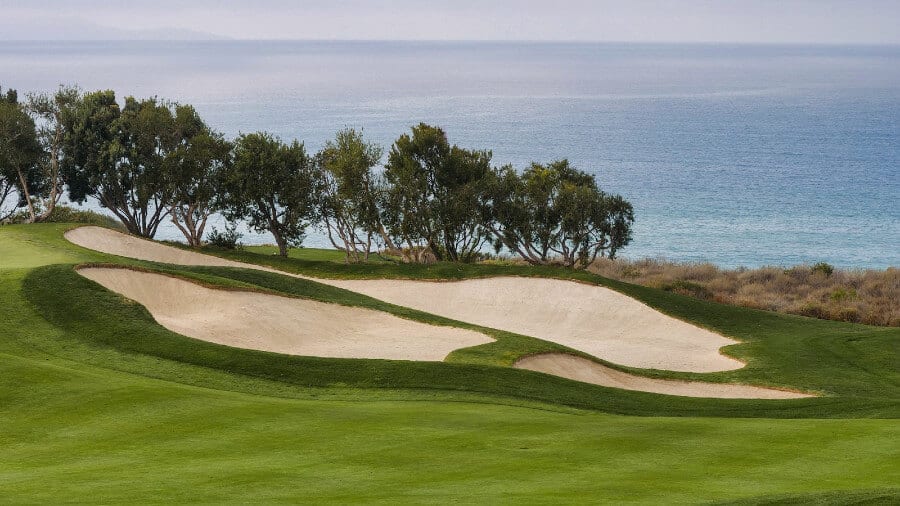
(149, 159)
(822, 291)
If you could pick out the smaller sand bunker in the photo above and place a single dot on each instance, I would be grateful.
(587, 371)
(282, 324)
(109, 241)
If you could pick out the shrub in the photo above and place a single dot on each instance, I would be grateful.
(848, 314)
(66, 214)
(689, 288)
(812, 310)
(823, 268)
(842, 293)
(227, 239)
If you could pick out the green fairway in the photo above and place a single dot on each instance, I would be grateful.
(100, 404)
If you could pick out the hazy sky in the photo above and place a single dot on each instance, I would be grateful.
(756, 21)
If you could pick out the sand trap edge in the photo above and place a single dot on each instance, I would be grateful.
(587, 371)
(384, 335)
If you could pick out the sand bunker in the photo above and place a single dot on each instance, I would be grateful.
(281, 324)
(588, 318)
(581, 369)
(124, 245)
(592, 319)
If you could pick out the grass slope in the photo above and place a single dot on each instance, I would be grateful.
(116, 409)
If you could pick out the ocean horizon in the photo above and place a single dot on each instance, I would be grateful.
(740, 155)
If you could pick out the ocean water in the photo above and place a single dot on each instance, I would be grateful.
(738, 155)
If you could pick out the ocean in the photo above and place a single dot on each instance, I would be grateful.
(741, 155)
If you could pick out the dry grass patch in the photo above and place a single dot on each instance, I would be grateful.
(820, 291)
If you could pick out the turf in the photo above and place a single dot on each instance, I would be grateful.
(99, 404)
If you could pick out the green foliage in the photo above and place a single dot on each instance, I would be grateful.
(67, 214)
(20, 154)
(351, 194)
(842, 294)
(227, 239)
(129, 159)
(435, 196)
(199, 168)
(275, 186)
(557, 213)
(88, 168)
(823, 268)
(152, 159)
(49, 110)
(10, 96)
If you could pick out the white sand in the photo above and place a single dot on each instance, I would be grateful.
(593, 319)
(124, 245)
(588, 318)
(281, 324)
(581, 369)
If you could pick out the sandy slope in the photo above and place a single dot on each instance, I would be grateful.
(124, 245)
(580, 369)
(281, 324)
(589, 318)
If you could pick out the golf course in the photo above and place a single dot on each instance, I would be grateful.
(148, 372)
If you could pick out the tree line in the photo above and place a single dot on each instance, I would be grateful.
(149, 160)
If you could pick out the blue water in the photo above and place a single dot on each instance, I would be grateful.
(739, 155)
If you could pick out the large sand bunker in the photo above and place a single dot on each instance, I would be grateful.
(584, 370)
(588, 318)
(281, 324)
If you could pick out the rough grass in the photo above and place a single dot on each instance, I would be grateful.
(866, 296)
(99, 404)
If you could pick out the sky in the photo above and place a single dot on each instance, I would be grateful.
(724, 21)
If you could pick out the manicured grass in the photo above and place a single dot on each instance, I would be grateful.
(102, 437)
(20, 248)
(100, 404)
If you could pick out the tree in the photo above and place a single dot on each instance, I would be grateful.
(197, 169)
(350, 194)
(274, 186)
(49, 111)
(7, 183)
(435, 195)
(20, 154)
(119, 157)
(555, 212)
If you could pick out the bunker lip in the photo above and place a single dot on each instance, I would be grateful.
(587, 371)
(266, 322)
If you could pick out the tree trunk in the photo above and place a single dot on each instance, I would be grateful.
(27, 195)
(282, 244)
(54, 178)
